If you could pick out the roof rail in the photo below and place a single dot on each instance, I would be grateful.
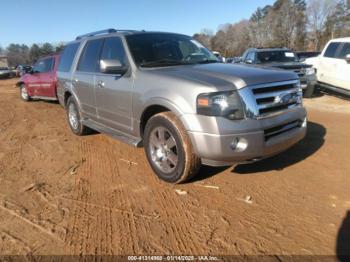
(106, 31)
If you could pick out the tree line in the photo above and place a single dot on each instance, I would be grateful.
(296, 24)
(21, 54)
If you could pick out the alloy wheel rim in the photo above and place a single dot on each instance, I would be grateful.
(73, 116)
(163, 149)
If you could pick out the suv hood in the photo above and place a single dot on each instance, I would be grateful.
(286, 66)
(224, 75)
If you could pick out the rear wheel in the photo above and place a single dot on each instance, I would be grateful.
(169, 150)
(74, 118)
(24, 93)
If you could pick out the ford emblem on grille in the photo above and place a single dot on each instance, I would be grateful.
(287, 98)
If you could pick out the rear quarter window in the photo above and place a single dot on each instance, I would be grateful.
(67, 57)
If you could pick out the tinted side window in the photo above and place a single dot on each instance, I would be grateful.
(67, 57)
(344, 51)
(89, 60)
(113, 49)
(44, 65)
(332, 50)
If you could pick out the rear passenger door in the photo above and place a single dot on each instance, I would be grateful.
(114, 91)
(84, 78)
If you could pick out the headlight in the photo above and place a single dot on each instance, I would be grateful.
(225, 104)
(310, 71)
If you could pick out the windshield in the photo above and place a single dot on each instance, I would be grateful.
(163, 49)
(276, 56)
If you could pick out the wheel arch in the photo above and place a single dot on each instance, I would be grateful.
(66, 95)
(154, 107)
(19, 83)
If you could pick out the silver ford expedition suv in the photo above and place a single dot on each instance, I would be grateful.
(168, 93)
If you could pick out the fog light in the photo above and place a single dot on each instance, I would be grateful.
(239, 144)
(234, 143)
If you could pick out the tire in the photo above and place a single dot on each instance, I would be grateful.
(74, 118)
(309, 91)
(24, 93)
(169, 150)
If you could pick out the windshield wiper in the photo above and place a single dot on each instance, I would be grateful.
(162, 62)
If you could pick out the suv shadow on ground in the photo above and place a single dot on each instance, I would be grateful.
(343, 240)
(312, 142)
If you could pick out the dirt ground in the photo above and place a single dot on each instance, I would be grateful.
(63, 194)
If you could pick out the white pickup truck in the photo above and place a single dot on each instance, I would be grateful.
(333, 66)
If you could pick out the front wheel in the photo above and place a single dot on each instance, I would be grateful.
(24, 93)
(169, 150)
(309, 91)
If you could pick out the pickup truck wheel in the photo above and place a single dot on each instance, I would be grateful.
(169, 150)
(24, 93)
(309, 91)
(74, 118)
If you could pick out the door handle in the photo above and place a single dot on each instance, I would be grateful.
(100, 84)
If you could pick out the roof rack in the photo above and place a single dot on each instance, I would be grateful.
(106, 31)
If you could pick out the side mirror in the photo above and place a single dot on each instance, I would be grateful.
(109, 66)
(249, 61)
(347, 58)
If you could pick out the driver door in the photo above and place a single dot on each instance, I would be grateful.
(113, 92)
(327, 64)
(342, 70)
(34, 83)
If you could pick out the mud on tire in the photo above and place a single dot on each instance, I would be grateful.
(169, 150)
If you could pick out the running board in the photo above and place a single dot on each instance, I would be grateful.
(44, 98)
(335, 89)
(136, 142)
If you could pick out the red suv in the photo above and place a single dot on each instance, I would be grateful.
(41, 82)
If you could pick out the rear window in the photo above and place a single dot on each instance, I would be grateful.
(332, 50)
(67, 57)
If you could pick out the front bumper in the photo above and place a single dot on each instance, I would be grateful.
(4, 75)
(215, 149)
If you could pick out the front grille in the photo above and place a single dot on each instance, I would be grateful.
(278, 130)
(273, 98)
